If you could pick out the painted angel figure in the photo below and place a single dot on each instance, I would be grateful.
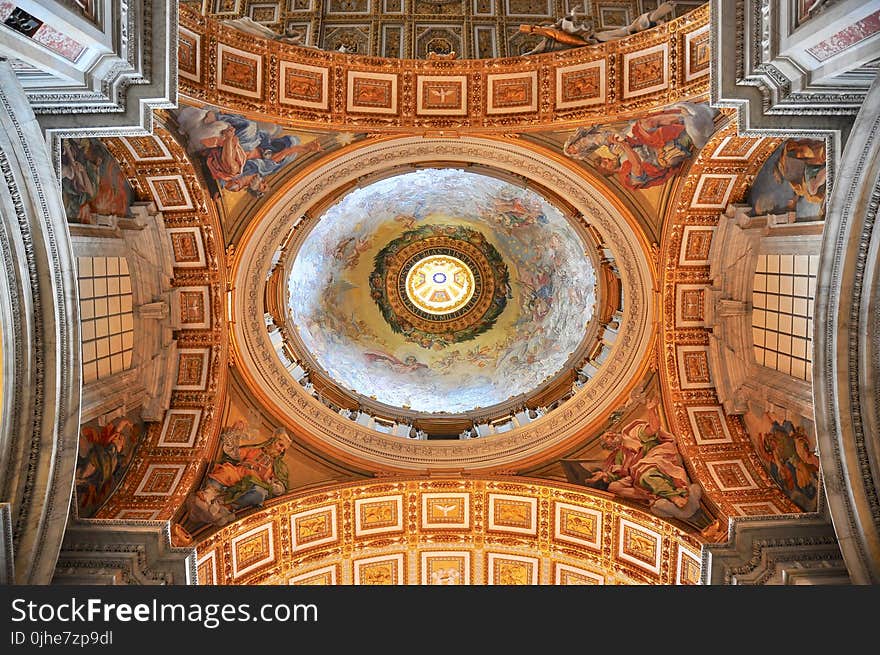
(409, 364)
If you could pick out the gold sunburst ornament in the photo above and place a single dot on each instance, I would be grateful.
(440, 284)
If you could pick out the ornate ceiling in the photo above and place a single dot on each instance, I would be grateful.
(410, 29)
(524, 263)
(450, 532)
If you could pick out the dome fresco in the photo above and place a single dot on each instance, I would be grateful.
(535, 291)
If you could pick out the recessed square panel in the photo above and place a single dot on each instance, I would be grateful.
(709, 425)
(187, 247)
(713, 191)
(580, 85)
(613, 17)
(528, 7)
(512, 93)
(179, 428)
(191, 307)
(170, 193)
(265, 12)
(764, 508)
(372, 93)
(446, 567)
(505, 569)
(253, 549)
(578, 525)
(326, 575)
(639, 545)
(690, 305)
(564, 574)
(378, 515)
(304, 86)
(483, 7)
(695, 244)
(314, 527)
(226, 7)
(192, 369)
(393, 40)
(513, 514)
(160, 480)
(697, 55)
(438, 95)
(687, 568)
(189, 55)
(146, 148)
(645, 71)
(693, 367)
(382, 570)
(735, 148)
(206, 568)
(239, 72)
(446, 510)
(731, 475)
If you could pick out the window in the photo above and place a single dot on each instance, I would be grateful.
(782, 315)
(106, 316)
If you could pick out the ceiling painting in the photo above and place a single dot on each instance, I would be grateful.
(255, 463)
(92, 183)
(644, 152)
(105, 453)
(532, 317)
(440, 284)
(793, 179)
(243, 161)
(640, 159)
(635, 456)
(787, 450)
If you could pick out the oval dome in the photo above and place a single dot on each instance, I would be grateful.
(442, 291)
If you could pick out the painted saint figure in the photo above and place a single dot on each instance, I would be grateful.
(647, 151)
(244, 477)
(239, 153)
(793, 179)
(643, 464)
(92, 184)
(103, 455)
(790, 461)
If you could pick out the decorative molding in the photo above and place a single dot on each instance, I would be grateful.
(766, 72)
(121, 75)
(268, 378)
(565, 88)
(620, 543)
(790, 549)
(846, 358)
(707, 433)
(39, 320)
(123, 552)
(7, 552)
